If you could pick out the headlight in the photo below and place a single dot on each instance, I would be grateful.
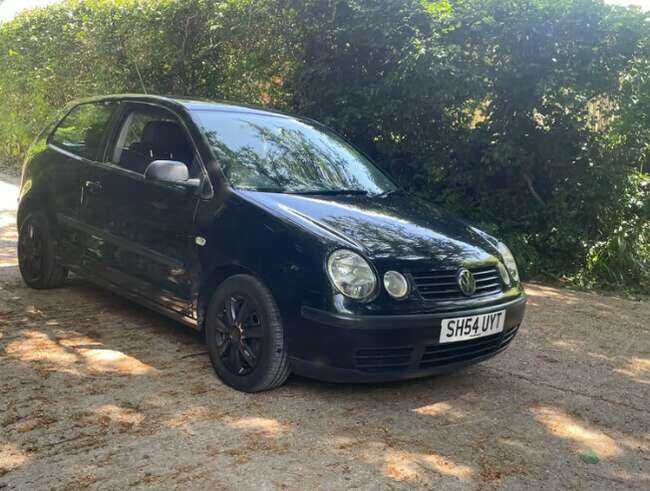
(396, 284)
(351, 274)
(509, 261)
(505, 276)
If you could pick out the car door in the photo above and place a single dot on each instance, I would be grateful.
(76, 142)
(142, 230)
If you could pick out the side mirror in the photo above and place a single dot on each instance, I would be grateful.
(170, 172)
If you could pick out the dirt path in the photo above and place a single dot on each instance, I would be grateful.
(98, 393)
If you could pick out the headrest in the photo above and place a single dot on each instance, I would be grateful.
(163, 133)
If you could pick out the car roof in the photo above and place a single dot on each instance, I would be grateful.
(188, 103)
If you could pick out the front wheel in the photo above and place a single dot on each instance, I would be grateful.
(36, 257)
(245, 336)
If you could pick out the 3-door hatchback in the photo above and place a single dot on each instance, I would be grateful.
(284, 244)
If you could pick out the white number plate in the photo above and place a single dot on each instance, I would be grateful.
(473, 326)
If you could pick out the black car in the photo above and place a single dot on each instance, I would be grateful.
(270, 233)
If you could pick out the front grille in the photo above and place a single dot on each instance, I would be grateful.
(377, 360)
(441, 284)
(445, 354)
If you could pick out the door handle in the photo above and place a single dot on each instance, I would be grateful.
(93, 186)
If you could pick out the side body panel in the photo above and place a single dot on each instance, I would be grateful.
(140, 235)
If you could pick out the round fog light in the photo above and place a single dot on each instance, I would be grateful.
(396, 284)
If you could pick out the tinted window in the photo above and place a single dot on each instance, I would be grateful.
(273, 153)
(149, 134)
(82, 131)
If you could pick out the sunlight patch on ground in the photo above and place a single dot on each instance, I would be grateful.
(111, 361)
(441, 409)
(535, 290)
(269, 428)
(7, 222)
(8, 199)
(562, 425)
(8, 233)
(74, 341)
(413, 467)
(10, 457)
(638, 369)
(422, 468)
(65, 356)
(8, 240)
(568, 345)
(35, 346)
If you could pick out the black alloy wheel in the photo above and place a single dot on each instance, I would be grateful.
(245, 335)
(36, 257)
(31, 251)
(239, 334)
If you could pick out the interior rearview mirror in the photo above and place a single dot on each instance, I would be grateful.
(171, 172)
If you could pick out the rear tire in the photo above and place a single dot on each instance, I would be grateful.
(245, 336)
(36, 254)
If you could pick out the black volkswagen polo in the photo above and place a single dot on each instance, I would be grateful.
(270, 233)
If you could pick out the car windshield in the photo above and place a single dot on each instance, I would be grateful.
(277, 154)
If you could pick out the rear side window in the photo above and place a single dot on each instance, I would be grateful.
(82, 131)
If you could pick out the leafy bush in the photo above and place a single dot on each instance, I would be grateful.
(622, 258)
(527, 117)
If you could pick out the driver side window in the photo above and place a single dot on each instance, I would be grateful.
(149, 134)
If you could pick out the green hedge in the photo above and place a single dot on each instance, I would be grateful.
(527, 117)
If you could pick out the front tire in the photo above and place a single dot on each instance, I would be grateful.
(245, 335)
(36, 256)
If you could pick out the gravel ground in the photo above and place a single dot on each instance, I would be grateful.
(98, 393)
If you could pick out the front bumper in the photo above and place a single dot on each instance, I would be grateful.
(348, 348)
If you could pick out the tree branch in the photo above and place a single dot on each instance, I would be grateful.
(532, 189)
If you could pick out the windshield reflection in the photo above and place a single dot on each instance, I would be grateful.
(279, 154)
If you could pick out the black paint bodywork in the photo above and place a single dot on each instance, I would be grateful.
(139, 238)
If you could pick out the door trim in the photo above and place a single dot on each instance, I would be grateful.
(120, 241)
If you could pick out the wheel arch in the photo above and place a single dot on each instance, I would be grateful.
(30, 202)
(210, 283)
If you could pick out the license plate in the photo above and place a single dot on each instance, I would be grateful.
(472, 326)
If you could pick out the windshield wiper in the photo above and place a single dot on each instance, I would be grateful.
(262, 189)
(385, 193)
(305, 191)
(329, 191)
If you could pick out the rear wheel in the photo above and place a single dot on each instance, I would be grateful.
(36, 258)
(245, 336)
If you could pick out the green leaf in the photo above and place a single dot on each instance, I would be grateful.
(588, 456)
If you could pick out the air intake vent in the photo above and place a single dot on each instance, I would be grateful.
(378, 360)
